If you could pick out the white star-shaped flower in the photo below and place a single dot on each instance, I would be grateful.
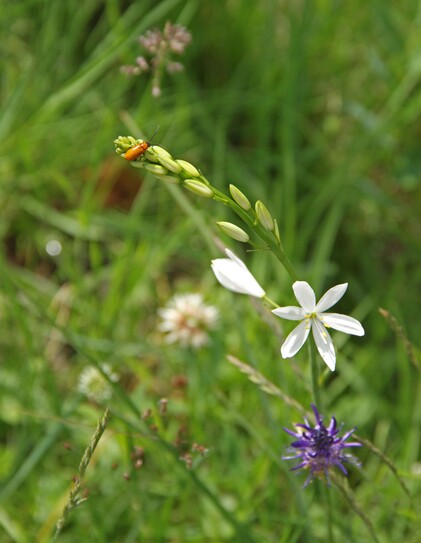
(234, 275)
(313, 317)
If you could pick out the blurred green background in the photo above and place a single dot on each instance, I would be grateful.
(312, 107)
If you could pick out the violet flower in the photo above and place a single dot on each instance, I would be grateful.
(320, 448)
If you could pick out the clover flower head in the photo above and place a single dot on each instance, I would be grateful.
(320, 448)
(313, 317)
(94, 385)
(234, 275)
(159, 48)
(186, 320)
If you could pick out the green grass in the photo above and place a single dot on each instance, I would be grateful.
(311, 107)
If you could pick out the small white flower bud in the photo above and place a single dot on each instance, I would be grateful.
(198, 188)
(188, 168)
(239, 198)
(235, 232)
(172, 179)
(264, 216)
(170, 164)
(154, 152)
(156, 169)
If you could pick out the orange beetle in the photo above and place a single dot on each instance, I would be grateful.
(137, 150)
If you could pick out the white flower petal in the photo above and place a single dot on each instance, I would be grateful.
(290, 312)
(331, 297)
(165, 326)
(343, 323)
(235, 258)
(305, 295)
(295, 340)
(233, 274)
(324, 344)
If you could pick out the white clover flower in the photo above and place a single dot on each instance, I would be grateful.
(234, 275)
(186, 320)
(314, 317)
(94, 385)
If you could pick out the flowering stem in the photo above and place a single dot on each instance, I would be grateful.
(328, 500)
(269, 301)
(160, 163)
(74, 500)
(315, 375)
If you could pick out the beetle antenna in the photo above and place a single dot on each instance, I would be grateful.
(154, 134)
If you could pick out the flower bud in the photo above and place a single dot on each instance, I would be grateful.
(239, 198)
(198, 188)
(235, 232)
(154, 152)
(169, 163)
(159, 151)
(264, 216)
(188, 168)
(172, 179)
(156, 169)
(137, 164)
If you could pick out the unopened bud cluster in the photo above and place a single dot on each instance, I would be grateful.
(124, 143)
(160, 163)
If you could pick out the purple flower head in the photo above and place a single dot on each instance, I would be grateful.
(320, 448)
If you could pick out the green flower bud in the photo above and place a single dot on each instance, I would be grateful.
(188, 168)
(264, 216)
(198, 188)
(170, 179)
(235, 232)
(240, 198)
(154, 152)
(156, 169)
(170, 164)
(138, 164)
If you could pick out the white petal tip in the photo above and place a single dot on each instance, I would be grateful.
(330, 364)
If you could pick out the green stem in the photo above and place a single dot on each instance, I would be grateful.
(270, 302)
(315, 376)
(328, 500)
